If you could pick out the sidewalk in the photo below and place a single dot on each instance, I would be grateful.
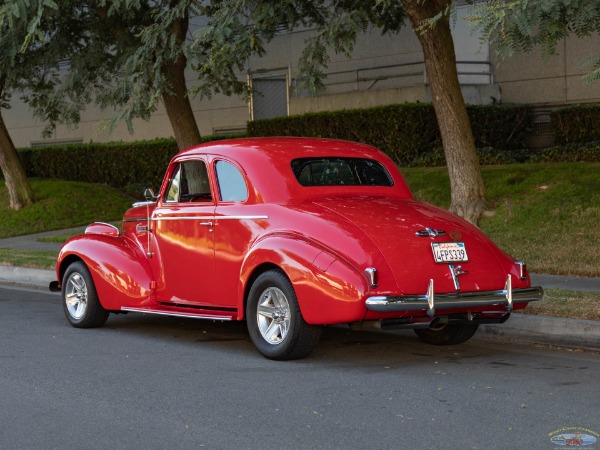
(520, 327)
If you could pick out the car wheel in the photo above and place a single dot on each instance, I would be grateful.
(275, 323)
(80, 300)
(448, 334)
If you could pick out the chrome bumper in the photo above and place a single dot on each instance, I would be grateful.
(429, 302)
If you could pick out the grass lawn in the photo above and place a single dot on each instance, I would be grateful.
(570, 304)
(62, 204)
(544, 214)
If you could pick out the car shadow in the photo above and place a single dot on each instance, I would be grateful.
(339, 344)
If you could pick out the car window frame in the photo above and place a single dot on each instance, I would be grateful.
(242, 173)
(177, 171)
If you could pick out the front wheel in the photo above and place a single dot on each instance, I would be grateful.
(80, 300)
(275, 323)
(447, 334)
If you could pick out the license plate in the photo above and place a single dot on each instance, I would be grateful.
(449, 252)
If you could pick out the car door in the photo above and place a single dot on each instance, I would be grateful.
(183, 223)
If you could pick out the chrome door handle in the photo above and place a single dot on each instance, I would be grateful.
(206, 224)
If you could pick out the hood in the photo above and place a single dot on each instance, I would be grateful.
(392, 223)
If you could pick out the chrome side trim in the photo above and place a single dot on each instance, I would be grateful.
(211, 217)
(208, 217)
(175, 314)
(429, 303)
(240, 217)
(142, 203)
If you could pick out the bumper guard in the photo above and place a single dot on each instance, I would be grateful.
(506, 297)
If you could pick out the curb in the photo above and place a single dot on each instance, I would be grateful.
(546, 330)
(26, 277)
(520, 327)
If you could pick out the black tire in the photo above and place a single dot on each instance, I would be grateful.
(80, 299)
(275, 323)
(448, 334)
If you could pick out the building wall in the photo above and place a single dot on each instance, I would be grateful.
(549, 81)
(382, 70)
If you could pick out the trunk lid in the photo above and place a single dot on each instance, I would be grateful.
(392, 223)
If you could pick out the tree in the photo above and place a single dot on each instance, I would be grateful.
(238, 28)
(131, 56)
(13, 66)
(30, 67)
(519, 25)
(133, 53)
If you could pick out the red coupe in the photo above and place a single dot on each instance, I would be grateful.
(291, 234)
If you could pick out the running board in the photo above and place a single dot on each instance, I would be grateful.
(188, 315)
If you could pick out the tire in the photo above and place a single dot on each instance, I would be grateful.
(448, 334)
(275, 323)
(80, 299)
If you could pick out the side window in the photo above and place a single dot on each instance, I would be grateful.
(189, 183)
(232, 186)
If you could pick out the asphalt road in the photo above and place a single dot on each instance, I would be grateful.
(156, 382)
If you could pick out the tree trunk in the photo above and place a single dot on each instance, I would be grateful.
(177, 102)
(179, 109)
(19, 191)
(466, 183)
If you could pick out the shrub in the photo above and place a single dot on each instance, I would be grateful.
(405, 132)
(576, 124)
(487, 156)
(589, 152)
(118, 164)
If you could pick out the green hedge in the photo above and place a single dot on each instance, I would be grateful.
(576, 124)
(406, 131)
(488, 156)
(588, 152)
(130, 165)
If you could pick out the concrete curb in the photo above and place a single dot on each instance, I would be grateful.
(26, 277)
(520, 327)
(546, 330)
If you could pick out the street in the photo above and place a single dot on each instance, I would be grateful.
(156, 382)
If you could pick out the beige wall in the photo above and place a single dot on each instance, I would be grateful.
(549, 81)
(214, 115)
(359, 82)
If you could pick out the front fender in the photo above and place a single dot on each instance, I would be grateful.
(329, 289)
(119, 269)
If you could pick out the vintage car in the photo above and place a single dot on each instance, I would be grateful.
(291, 234)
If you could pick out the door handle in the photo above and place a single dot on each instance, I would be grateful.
(206, 224)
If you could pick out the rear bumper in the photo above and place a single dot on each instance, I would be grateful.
(503, 299)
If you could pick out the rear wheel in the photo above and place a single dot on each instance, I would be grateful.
(275, 323)
(448, 334)
(80, 300)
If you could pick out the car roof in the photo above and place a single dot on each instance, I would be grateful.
(267, 163)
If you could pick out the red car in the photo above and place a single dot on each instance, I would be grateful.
(291, 234)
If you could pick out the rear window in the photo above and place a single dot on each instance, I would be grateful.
(340, 172)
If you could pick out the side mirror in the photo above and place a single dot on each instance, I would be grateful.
(150, 195)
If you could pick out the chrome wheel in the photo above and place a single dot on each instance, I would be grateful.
(273, 315)
(76, 296)
(80, 299)
(274, 319)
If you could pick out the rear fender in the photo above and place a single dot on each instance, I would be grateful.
(329, 290)
(119, 269)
